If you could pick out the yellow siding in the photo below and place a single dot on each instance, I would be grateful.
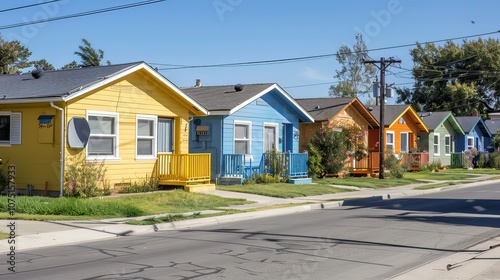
(36, 163)
(131, 96)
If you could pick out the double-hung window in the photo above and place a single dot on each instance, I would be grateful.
(242, 138)
(470, 142)
(10, 128)
(146, 136)
(389, 142)
(447, 144)
(103, 140)
(436, 145)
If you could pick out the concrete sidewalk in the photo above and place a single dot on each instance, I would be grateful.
(461, 266)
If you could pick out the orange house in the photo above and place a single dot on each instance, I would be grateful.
(402, 125)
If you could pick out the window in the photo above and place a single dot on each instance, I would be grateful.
(103, 138)
(447, 144)
(470, 142)
(146, 136)
(401, 121)
(436, 144)
(242, 138)
(10, 128)
(390, 140)
(404, 142)
(165, 135)
(270, 137)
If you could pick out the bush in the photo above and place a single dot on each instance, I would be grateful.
(482, 162)
(85, 178)
(4, 179)
(494, 160)
(397, 167)
(143, 185)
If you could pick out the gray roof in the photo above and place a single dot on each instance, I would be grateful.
(325, 108)
(58, 83)
(226, 99)
(469, 122)
(493, 126)
(434, 119)
(391, 112)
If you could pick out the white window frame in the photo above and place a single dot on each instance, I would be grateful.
(393, 141)
(447, 148)
(276, 138)
(469, 146)
(407, 142)
(116, 142)
(434, 144)
(249, 125)
(154, 138)
(15, 123)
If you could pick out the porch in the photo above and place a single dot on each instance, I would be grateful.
(192, 171)
(238, 167)
(369, 165)
(415, 160)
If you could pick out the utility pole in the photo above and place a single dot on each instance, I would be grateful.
(383, 66)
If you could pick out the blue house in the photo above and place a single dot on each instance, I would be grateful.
(245, 122)
(477, 135)
(493, 126)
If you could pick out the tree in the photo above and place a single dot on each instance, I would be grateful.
(71, 65)
(13, 56)
(43, 64)
(90, 56)
(459, 78)
(355, 77)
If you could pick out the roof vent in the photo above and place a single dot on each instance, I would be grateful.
(238, 87)
(37, 73)
(317, 107)
(198, 83)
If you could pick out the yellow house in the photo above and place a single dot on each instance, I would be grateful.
(127, 116)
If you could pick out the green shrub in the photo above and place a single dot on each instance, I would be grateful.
(85, 178)
(494, 160)
(483, 160)
(4, 179)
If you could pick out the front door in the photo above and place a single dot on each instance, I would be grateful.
(270, 138)
(165, 136)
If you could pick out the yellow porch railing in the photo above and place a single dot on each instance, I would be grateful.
(183, 169)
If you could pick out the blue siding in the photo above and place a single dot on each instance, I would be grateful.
(267, 109)
(207, 144)
(479, 142)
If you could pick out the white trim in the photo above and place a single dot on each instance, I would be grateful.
(249, 124)
(283, 92)
(154, 137)
(130, 70)
(449, 137)
(276, 137)
(116, 116)
(438, 153)
(393, 140)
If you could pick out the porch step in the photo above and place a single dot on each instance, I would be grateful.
(199, 187)
(230, 181)
(300, 181)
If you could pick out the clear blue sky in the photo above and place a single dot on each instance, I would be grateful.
(206, 32)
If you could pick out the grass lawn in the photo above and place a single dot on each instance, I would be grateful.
(284, 190)
(177, 201)
(362, 182)
(427, 175)
(487, 171)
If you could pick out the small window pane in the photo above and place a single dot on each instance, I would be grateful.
(4, 128)
(101, 145)
(145, 128)
(102, 125)
(241, 147)
(144, 147)
(241, 131)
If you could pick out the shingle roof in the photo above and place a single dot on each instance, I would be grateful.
(59, 83)
(227, 100)
(493, 126)
(433, 119)
(325, 108)
(469, 122)
(392, 113)
(224, 98)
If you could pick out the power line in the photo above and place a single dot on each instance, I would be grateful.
(28, 6)
(88, 13)
(304, 58)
